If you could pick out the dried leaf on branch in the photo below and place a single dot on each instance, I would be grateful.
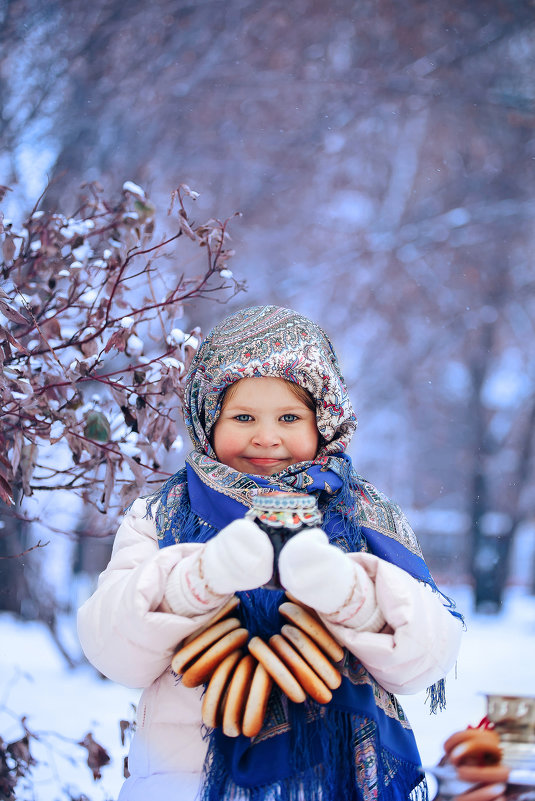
(97, 756)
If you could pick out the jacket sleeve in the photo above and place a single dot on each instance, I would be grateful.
(126, 628)
(420, 640)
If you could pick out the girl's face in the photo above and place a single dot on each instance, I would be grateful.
(264, 427)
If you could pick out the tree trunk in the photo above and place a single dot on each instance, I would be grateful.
(486, 563)
(13, 541)
(491, 552)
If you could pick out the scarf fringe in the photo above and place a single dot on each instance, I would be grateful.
(436, 696)
(161, 495)
(340, 511)
(337, 776)
(420, 792)
(259, 611)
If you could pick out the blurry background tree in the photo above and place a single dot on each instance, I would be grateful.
(384, 157)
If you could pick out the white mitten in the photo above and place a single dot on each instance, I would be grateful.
(322, 576)
(240, 557)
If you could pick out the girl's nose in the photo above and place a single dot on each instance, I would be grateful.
(266, 435)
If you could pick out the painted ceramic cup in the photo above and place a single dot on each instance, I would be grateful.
(513, 717)
(281, 515)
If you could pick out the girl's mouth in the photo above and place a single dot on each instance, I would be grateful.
(266, 466)
(263, 460)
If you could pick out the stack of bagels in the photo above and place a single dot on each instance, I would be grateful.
(240, 672)
(475, 755)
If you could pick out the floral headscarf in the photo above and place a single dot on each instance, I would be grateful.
(268, 341)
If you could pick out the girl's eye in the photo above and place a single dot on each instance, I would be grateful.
(243, 418)
(289, 418)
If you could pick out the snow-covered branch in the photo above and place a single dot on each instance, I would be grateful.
(89, 391)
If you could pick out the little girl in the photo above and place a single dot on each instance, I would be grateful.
(266, 407)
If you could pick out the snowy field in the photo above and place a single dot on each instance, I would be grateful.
(497, 655)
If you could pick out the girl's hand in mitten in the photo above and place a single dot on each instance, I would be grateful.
(322, 576)
(240, 557)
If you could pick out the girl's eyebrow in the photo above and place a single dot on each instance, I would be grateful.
(230, 406)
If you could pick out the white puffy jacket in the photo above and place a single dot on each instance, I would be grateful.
(129, 632)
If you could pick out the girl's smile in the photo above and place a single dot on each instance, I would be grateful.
(264, 427)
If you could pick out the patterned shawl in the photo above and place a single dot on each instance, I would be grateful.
(360, 746)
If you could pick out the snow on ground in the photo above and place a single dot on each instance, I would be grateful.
(497, 655)
(35, 681)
